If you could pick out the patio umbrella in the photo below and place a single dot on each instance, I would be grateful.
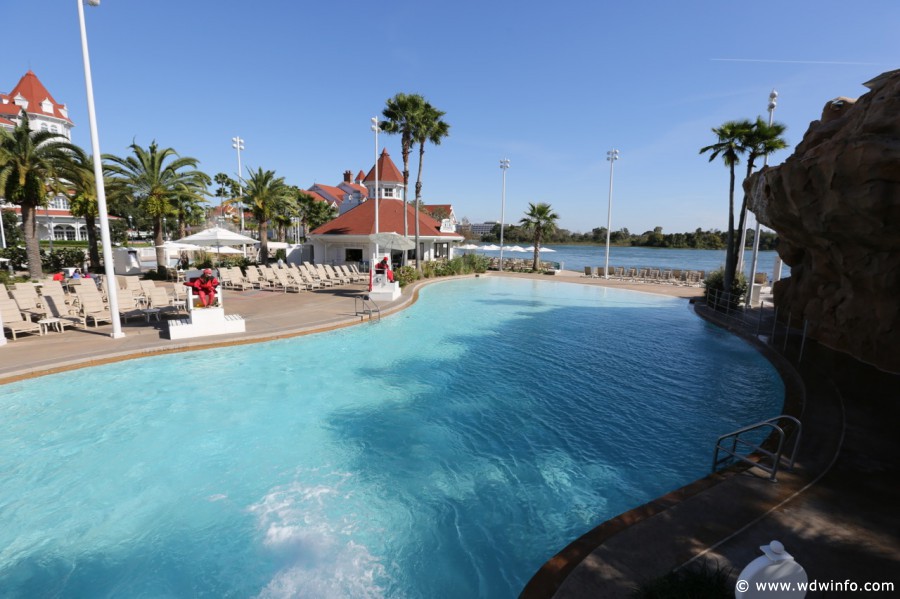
(217, 236)
(469, 246)
(490, 248)
(180, 247)
(530, 248)
(514, 248)
(392, 241)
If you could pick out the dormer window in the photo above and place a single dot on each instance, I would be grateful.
(47, 106)
(388, 192)
(64, 111)
(21, 101)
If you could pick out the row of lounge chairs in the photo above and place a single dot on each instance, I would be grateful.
(670, 276)
(290, 277)
(35, 307)
(519, 264)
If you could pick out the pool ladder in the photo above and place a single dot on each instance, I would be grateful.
(363, 306)
(769, 461)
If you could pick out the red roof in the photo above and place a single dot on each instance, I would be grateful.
(317, 197)
(361, 221)
(387, 170)
(361, 176)
(335, 192)
(31, 88)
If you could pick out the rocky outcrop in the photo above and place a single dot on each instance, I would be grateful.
(835, 205)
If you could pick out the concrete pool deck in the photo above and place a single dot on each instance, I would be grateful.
(836, 513)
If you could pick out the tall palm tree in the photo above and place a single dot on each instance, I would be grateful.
(730, 146)
(79, 173)
(157, 179)
(29, 165)
(540, 220)
(267, 196)
(313, 213)
(762, 139)
(429, 128)
(402, 116)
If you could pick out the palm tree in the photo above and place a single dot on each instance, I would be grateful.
(730, 146)
(30, 162)
(540, 220)
(429, 128)
(267, 196)
(83, 200)
(402, 114)
(762, 139)
(157, 179)
(313, 213)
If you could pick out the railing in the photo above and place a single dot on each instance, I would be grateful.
(775, 457)
(363, 306)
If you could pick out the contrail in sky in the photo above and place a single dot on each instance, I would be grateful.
(794, 61)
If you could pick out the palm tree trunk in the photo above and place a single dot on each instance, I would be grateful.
(728, 277)
(32, 243)
(159, 241)
(537, 251)
(93, 249)
(263, 241)
(416, 212)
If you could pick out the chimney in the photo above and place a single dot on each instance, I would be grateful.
(347, 175)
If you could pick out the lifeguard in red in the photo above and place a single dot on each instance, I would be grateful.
(205, 287)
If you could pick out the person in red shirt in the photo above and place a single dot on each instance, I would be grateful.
(59, 277)
(386, 267)
(205, 287)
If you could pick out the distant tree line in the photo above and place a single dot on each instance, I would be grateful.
(699, 239)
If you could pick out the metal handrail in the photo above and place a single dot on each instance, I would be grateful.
(775, 456)
(364, 306)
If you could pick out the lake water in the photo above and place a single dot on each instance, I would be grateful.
(576, 257)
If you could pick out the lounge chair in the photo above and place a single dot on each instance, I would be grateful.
(14, 321)
(285, 283)
(29, 303)
(93, 308)
(338, 277)
(589, 272)
(62, 312)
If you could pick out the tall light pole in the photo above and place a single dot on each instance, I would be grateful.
(773, 97)
(504, 164)
(376, 129)
(108, 266)
(238, 144)
(612, 156)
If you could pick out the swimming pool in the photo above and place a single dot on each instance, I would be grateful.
(448, 450)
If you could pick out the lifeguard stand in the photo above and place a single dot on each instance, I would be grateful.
(381, 289)
(202, 322)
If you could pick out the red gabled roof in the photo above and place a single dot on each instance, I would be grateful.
(317, 197)
(31, 88)
(387, 170)
(335, 192)
(357, 187)
(361, 221)
(361, 176)
(4, 121)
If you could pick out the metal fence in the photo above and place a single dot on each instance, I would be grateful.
(779, 328)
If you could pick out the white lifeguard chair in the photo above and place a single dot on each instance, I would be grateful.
(202, 322)
(381, 288)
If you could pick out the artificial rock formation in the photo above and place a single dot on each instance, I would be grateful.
(835, 205)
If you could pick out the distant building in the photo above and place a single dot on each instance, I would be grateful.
(44, 114)
(483, 228)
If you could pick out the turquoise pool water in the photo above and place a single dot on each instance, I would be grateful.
(447, 451)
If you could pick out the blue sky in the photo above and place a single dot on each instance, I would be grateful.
(551, 87)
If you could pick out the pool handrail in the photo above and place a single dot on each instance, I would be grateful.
(775, 456)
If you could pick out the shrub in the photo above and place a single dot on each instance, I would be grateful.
(715, 283)
(406, 275)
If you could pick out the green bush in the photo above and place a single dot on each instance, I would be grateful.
(406, 275)
(715, 282)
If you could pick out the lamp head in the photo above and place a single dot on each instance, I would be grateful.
(93, 2)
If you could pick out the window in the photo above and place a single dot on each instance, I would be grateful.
(353, 255)
(388, 192)
(442, 250)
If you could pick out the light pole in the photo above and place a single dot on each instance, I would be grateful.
(612, 156)
(773, 97)
(504, 164)
(108, 266)
(49, 226)
(238, 144)
(376, 129)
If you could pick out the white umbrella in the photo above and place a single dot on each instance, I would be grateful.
(469, 246)
(277, 245)
(392, 241)
(530, 248)
(218, 236)
(180, 247)
(514, 248)
(491, 248)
